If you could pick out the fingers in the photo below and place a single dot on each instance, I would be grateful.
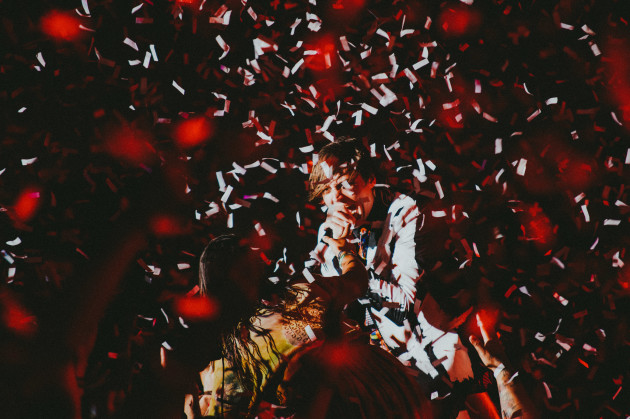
(475, 342)
(482, 328)
(335, 244)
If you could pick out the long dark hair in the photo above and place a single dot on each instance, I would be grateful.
(216, 278)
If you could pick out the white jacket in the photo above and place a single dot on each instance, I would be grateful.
(392, 263)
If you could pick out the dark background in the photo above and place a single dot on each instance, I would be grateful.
(126, 169)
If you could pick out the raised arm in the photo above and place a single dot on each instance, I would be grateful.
(514, 400)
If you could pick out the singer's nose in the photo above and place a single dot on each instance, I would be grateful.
(332, 195)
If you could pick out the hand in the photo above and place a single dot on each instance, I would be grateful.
(341, 220)
(337, 245)
(490, 351)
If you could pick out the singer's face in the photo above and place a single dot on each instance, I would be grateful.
(352, 192)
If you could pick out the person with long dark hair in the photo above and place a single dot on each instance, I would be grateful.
(261, 328)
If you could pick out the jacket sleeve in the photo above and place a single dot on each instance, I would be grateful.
(325, 257)
(406, 223)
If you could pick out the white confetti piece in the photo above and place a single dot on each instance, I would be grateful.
(136, 8)
(7, 257)
(147, 59)
(308, 275)
(314, 22)
(230, 220)
(420, 64)
(183, 266)
(552, 101)
(369, 108)
(477, 86)
(224, 46)
(496, 178)
(131, 43)
(40, 58)
(609, 222)
(26, 162)
(238, 169)
(489, 117)
(414, 126)
(295, 25)
(260, 230)
(579, 197)
(587, 217)
(86, 8)
(11, 272)
(22, 109)
(223, 19)
(595, 49)
(226, 194)
(14, 242)
(388, 96)
(614, 117)
(297, 66)
(178, 87)
(557, 262)
(260, 46)
(560, 298)
(269, 196)
(498, 146)
(268, 167)
(309, 332)
(438, 187)
(566, 26)
(617, 262)
(153, 53)
(412, 78)
(533, 115)
(438, 214)
(522, 166)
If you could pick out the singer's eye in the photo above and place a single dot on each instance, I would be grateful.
(346, 185)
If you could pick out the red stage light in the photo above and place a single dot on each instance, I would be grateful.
(26, 204)
(339, 355)
(458, 21)
(60, 25)
(193, 132)
(166, 225)
(17, 318)
(129, 145)
(325, 53)
(197, 308)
